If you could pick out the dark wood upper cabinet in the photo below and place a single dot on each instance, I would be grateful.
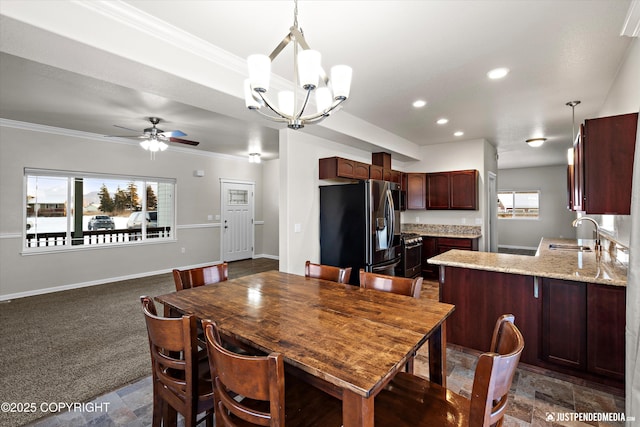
(603, 165)
(455, 190)
(338, 167)
(376, 172)
(438, 190)
(464, 190)
(415, 184)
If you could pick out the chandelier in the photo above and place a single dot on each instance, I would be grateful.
(308, 72)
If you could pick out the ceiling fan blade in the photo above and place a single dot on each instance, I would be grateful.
(132, 130)
(183, 141)
(172, 133)
(126, 136)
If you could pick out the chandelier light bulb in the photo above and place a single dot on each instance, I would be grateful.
(309, 68)
(259, 72)
(341, 81)
(286, 102)
(249, 100)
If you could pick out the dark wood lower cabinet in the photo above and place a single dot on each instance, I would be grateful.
(564, 323)
(571, 327)
(480, 298)
(606, 320)
(432, 246)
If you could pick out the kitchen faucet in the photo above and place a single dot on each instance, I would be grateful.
(595, 223)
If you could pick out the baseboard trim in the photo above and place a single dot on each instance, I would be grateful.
(16, 295)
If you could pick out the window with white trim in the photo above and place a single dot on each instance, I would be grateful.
(519, 204)
(66, 210)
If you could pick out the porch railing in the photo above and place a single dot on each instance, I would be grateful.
(95, 237)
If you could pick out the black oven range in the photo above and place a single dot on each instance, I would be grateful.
(411, 261)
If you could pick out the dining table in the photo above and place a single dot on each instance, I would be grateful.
(344, 339)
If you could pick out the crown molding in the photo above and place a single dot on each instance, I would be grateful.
(136, 19)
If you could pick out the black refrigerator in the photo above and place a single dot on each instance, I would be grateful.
(360, 226)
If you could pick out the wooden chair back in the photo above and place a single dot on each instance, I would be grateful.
(413, 401)
(494, 374)
(327, 272)
(194, 277)
(256, 378)
(177, 381)
(397, 285)
(251, 390)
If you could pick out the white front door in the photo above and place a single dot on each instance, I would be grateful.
(237, 220)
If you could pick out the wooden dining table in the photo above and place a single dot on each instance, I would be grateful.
(343, 339)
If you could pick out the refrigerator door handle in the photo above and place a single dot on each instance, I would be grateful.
(391, 220)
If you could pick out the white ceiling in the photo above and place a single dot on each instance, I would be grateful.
(89, 66)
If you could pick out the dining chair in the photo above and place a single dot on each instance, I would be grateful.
(199, 276)
(412, 401)
(395, 284)
(255, 391)
(181, 380)
(327, 272)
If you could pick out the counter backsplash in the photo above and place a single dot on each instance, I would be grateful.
(442, 228)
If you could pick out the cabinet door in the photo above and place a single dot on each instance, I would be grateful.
(376, 172)
(564, 322)
(360, 170)
(438, 190)
(609, 146)
(606, 312)
(346, 168)
(416, 190)
(480, 298)
(464, 190)
(429, 250)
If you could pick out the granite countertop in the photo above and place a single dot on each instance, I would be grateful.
(442, 230)
(553, 263)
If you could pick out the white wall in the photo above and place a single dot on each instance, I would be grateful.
(555, 219)
(300, 196)
(270, 230)
(196, 198)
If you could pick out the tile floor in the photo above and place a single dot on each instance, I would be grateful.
(533, 399)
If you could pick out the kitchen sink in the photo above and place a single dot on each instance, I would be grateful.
(568, 247)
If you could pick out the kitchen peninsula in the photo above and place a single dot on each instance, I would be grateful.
(568, 300)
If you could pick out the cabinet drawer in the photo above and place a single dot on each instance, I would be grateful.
(452, 243)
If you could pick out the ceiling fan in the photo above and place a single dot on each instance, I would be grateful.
(155, 139)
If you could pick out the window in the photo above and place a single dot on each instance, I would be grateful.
(519, 204)
(78, 209)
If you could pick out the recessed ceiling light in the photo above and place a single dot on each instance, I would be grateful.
(419, 103)
(458, 133)
(442, 121)
(498, 73)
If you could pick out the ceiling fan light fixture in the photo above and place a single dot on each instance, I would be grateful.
(308, 75)
(535, 142)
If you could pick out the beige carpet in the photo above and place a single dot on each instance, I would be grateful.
(74, 345)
